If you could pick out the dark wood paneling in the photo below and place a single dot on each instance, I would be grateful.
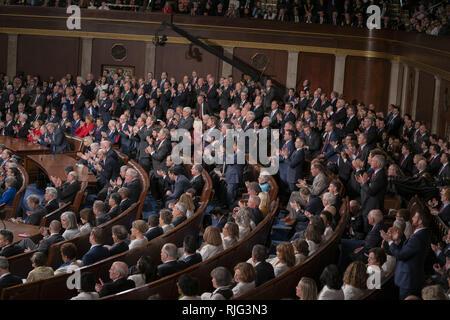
(410, 82)
(444, 110)
(425, 98)
(101, 54)
(181, 59)
(277, 69)
(367, 80)
(317, 68)
(48, 56)
(3, 52)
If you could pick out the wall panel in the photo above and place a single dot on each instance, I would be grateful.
(3, 52)
(318, 68)
(425, 98)
(367, 80)
(443, 127)
(48, 56)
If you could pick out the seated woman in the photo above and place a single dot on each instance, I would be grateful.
(375, 260)
(87, 290)
(284, 260)
(8, 195)
(355, 281)
(264, 203)
(244, 275)
(69, 257)
(40, 271)
(301, 249)
(230, 235)
(138, 230)
(306, 289)
(213, 243)
(331, 279)
(88, 220)
(189, 203)
(145, 271)
(165, 220)
(34, 134)
(327, 219)
(313, 235)
(69, 223)
(85, 127)
(244, 221)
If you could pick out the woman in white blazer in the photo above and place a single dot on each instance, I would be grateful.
(230, 235)
(284, 260)
(331, 280)
(355, 281)
(244, 275)
(212, 243)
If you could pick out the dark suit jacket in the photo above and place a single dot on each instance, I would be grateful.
(152, 233)
(45, 244)
(35, 217)
(373, 238)
(264, 273)
(198, 183)
(170, 267)
(160, 154)
(114, 212)
(95, 254)
(257, 216)
(409, 271)
(192, 259)
(102, 218)
(52, 206)
(351, 125)
(59, 142)
(295, 166)
(117, 286)
(118, 247)
(134, 189)
(68, 191)
(179, 187)
(11, 250)
(8, 281)
(407, 164)
(125, 204)
(445, 215)
(372, 193)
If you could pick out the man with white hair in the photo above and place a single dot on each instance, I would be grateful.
(118, 274)
(57, 139)
(352, 250)
(22, 127)
(186, 121)
(50, 201)
(179, 214)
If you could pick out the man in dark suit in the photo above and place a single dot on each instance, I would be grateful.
(99, 128)
(264, 270)
(191, 256)
(154, 229)
(36, 213)
(139, 104)
(295, 164)
(119, 235)
(97, 251)
(275, 115)
(160, 150)
(79, 101)
(57, 139)
(313, 141)
(99, 211)
(351, 123)
(8, 129)
(186, 121)
(51, 235)
(233, 176)
(114, 205)
(362, 152)
(156, 110)
(406, 161)
(371, 131)
(340, 116)
(410, 255)
(258, 109)
(22, 126)
(104, 106)
(443, 176)
(8, 248)
(268, 95)
(6, 278)
(38, 114)
(253, 204)
(118, 273)
(434, 162)
(395, 122)
(373, 189)
(180, 185)
(197, 181)
(68, 190)
(352, 249)
(133, 184)
(221, 218)
(170, 264)
(50, 201)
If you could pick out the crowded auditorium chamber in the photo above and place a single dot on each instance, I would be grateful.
(151, 154)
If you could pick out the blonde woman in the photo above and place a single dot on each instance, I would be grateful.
(165, 220)
(285, 258)
(138, 230)
(230, 235)
(244, 275)
(306, 289)
(264, 204)
(189, 203)
(212, 244)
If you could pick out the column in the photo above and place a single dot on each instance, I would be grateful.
(339, 73)
(150, 58)
(11, 62)
(394, 83)
(404, 88)
(227, 69)
(437, 91)
(292, 66)
(416, 93)
(86, 56)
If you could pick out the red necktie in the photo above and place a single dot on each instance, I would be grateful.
(325, 143)
(200, 112)
(403, 161)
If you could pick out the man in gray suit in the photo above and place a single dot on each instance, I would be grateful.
(186, 121)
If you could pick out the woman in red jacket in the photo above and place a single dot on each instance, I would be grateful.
(86, 127)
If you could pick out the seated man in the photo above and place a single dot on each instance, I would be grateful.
(190, 256)
(118, 274)
(37, 212)
(8, 248)
(119, 235)
(178, 214)
(51, 235)
(197, 181)
(50, 201)
(68, 190)
(154, 230)
(114, 205)
(97, 251)
(6, 278)
(99, 210)
(181, 184)
(125, 201)
(170, 263)
(263, 269)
